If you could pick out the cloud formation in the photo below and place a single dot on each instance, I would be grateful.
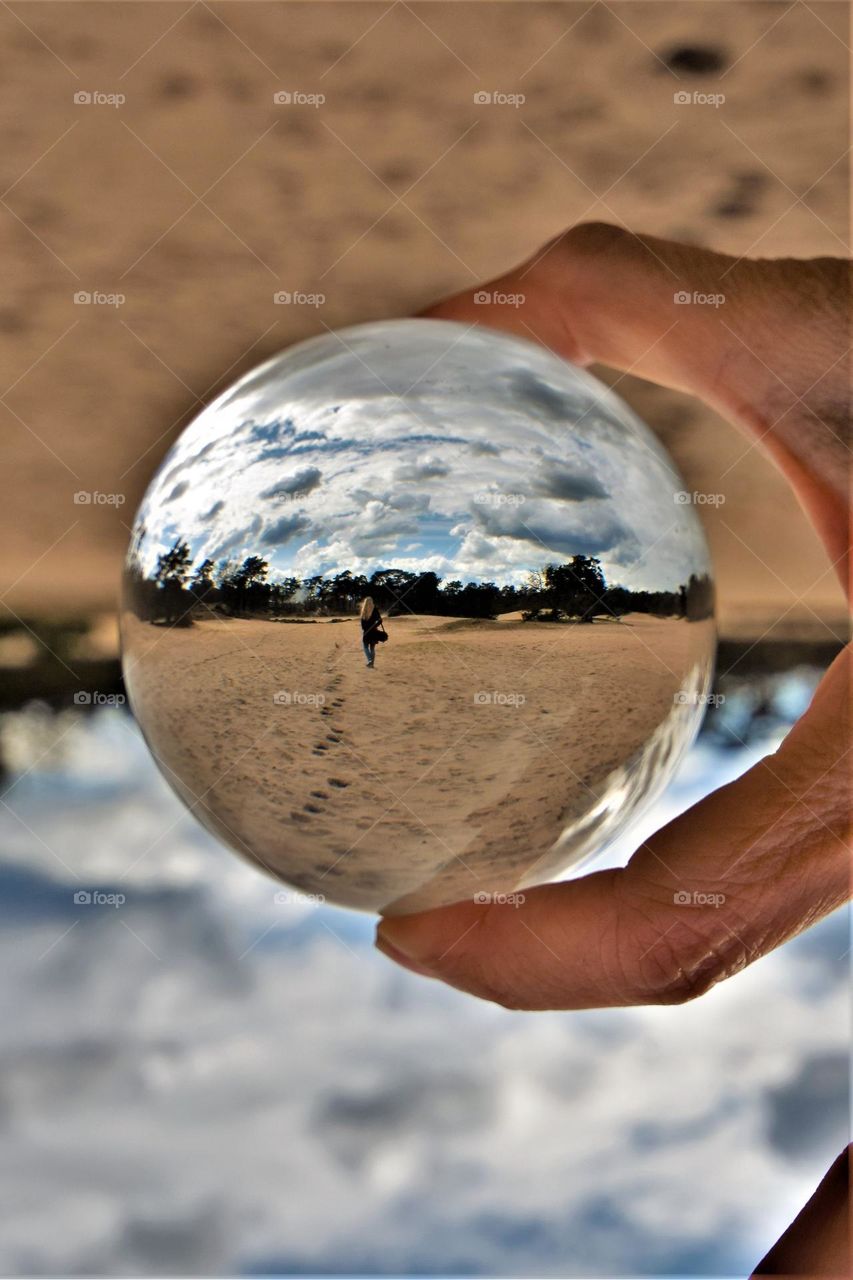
(420, 445)
(295, 486)
(207, 1082)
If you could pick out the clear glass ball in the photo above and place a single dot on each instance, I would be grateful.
(539, 574)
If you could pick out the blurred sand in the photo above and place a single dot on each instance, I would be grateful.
(467, 748)
(199, 198)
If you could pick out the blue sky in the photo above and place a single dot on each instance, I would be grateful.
(426, 446)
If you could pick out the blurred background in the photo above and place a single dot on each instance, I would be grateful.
(195, 1079)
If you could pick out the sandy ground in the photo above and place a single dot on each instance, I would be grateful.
(397, 190)
(452, 767)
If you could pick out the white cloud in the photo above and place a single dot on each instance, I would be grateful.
(205, 1082)
(396, 432)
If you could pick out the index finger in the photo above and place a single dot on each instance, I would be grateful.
(772, 357)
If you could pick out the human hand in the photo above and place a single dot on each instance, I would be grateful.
(774, 840)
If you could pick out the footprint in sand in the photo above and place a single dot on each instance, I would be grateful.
(312, 808)
(320, 747)
(321, 795)
(337, 782)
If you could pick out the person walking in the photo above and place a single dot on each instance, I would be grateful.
(371, 628)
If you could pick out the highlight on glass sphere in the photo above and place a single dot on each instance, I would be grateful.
(416, 613)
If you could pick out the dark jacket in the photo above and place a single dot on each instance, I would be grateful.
(370, 626)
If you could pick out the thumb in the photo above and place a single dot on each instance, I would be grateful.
(726, 882)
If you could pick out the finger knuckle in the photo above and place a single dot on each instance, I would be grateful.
(593, 238)
(685, 963)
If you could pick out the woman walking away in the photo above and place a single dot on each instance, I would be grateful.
(371, 627)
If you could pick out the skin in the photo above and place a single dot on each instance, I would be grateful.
(774, 359)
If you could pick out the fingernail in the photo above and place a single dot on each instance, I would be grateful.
(399, 957)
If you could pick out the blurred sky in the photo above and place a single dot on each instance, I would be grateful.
(205, 1081)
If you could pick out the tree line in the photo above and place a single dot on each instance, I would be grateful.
(177, 593)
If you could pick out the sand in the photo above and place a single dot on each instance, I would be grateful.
(450, 768)
(300, 198)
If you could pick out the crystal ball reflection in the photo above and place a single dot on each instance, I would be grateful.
(544, 589)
